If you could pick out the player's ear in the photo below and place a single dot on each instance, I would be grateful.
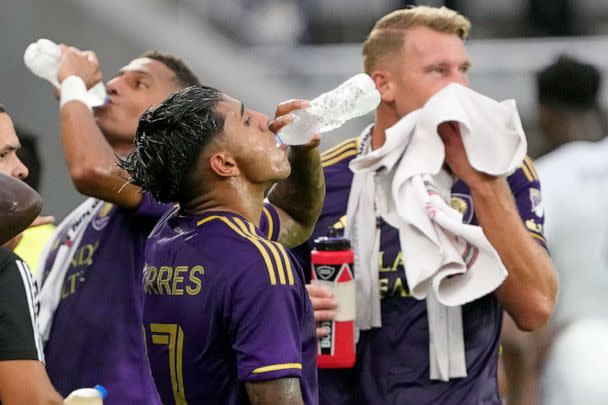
(223, 164)
(384, 84)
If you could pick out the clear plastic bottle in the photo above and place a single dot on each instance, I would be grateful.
(87, 396)
(43, 57)
(355, 97)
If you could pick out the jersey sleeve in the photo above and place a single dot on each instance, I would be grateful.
(269, 222)
(149, 207)
(526, 189)
(19, 336)
(265, 313)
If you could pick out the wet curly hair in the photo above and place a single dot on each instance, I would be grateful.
(169, 140)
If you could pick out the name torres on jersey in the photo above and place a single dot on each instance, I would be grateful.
(187, 280)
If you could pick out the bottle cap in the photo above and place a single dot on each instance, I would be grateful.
(102, 391)
(333, 243)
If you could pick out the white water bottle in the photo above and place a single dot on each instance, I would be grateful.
(355, 97)
(87, 396)
(43, 58)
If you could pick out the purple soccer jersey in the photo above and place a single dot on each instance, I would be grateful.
(392, 364)
(96, 336)
(224, 305)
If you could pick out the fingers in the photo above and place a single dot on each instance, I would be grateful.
(314, 142)
(83, 64)
(324, 315)
(322, 331)
(322, 300)
(43, 220)
(91, 56)
(318, 291)
(278, 123)
(448, 130)
(324, 305)
(290, 105)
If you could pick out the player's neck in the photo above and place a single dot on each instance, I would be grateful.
(246, 200)
(386, 117)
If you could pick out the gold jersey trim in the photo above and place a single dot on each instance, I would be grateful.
(529, 169)
(275, 367)
(256, 240)
(270, 223)
(352, 143)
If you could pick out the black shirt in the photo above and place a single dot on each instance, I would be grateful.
(19, 336)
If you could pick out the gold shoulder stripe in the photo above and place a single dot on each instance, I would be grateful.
(526, 171)
(281, 250)
(339, 158)
(275, 245)
(254, 241)
(339, 148)
(249, 229)
(275, 367)
(531, 167)
(270, 223)
(252, 235)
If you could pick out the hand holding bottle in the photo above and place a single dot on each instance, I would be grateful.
(44, 59)
(353, 98)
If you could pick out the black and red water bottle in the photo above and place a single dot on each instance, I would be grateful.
(332, 266)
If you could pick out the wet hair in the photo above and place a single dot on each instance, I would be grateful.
(183, 74)
(388, 34)
(568, 83)
(169, 140)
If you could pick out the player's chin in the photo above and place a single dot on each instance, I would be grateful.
(282, 171)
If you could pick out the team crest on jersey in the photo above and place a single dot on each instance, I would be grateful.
(463, 203)
(536, 201)
(103, 216)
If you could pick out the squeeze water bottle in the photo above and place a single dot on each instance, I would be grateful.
(43, 58)
(355, 97)
(332, 265)
(87, 396)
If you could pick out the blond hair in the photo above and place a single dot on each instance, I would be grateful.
(388, 33)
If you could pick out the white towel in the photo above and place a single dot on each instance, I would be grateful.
(71, 230)
(43, 59)
(411, 191)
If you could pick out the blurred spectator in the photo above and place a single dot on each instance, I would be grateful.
(33, 241)
(568, 107)
(23, 379)
(574, 176)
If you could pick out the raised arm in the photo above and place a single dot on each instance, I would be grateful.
(299, 198)
(90, 159)
(284, 391)
(529, 291)
(19, 206)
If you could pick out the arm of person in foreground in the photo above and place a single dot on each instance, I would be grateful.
(90, 159)
(19, 206)
(283, 391)
(26, 382)
(299, 198)
(529, 291)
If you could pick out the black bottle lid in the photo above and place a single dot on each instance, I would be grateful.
(333, 243)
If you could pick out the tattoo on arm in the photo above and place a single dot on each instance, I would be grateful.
(300, 196)
(284, 391)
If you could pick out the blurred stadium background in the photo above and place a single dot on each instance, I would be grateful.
(266, 51)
